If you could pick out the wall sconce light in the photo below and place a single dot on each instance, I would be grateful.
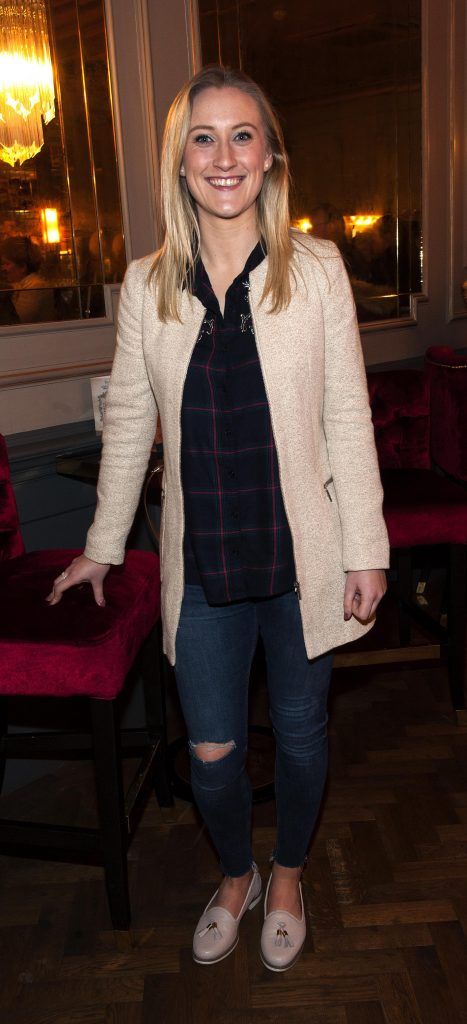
(361, 222)
(27, 94)
(303, 224)
(50, 228)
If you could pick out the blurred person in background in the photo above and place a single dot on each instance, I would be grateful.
(31, 297)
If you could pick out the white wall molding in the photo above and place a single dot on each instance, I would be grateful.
(34, 405)
(41, 352)
(174, 42)
(132, 85)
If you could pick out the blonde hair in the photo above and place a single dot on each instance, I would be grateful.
(174, 262)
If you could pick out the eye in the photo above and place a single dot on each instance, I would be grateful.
(243, 136)
(202, 139)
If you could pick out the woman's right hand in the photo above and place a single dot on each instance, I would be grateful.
(80, 570)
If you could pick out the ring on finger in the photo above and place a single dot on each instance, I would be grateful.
(63, 576)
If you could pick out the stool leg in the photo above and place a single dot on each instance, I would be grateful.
(110, 803)
(456, 623)
(3, 734)
(404, 586)
(154, 671)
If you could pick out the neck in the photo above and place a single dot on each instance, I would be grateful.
(227, 243)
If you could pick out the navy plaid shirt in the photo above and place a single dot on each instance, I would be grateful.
(237, 539)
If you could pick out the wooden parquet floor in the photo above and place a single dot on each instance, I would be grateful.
(385, 890)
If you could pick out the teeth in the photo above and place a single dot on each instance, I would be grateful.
(225, 182)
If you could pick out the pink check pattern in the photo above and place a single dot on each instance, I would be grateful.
(237, 539)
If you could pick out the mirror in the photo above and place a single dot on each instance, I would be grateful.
(61, 233)
(346, 82)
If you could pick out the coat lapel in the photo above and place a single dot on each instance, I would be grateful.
(286, 341)
(171, 345)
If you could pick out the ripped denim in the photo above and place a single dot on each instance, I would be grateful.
(214, 651)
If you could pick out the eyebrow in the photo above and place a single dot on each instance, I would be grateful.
(210, 127)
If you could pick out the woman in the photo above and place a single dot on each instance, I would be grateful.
(242, 338)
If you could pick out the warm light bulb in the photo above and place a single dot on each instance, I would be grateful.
(361, 221)
(303, 224)
(50, 229)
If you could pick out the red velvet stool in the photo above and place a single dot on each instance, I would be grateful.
(422, 508)
(79, 651)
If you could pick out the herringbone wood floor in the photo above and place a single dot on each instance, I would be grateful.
(385, 889)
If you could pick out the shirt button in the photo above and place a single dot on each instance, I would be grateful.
(234, 515)
(234, 551)
(231, 473)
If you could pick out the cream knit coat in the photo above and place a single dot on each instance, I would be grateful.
(313, 370)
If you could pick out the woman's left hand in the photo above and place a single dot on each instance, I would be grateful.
(364, 589)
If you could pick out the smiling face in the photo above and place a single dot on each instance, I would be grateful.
(226, 155)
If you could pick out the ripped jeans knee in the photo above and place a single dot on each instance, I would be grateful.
(215, 765)
(211, 751)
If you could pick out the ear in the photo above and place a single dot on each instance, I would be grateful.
(268, 162)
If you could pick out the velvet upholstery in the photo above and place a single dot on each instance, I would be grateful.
(421, 507)
(400, 405)
(11, 543)
(75, 647)
(447, 373)
(444, 355)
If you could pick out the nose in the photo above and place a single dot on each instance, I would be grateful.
(224, 156)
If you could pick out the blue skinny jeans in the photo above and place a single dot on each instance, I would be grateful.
(214, 651)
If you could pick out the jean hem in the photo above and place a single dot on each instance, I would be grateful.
(237, 874)
(276, 860)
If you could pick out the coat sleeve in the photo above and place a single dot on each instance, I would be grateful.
(348, 428)
(130, 421)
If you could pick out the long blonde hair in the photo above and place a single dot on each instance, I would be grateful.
(174, 262)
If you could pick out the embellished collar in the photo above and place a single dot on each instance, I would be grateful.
(202, 287)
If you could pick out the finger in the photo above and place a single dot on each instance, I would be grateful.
(60, 584)
(56, 593)
(367, 606)
(98, 594)
(349, 597)
(362, 610)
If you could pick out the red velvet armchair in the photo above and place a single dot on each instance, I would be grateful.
(422, 507)
(79, 651)
(447, 372)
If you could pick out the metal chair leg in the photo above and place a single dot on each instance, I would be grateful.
(110, 802)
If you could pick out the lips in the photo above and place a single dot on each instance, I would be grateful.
(225, 182)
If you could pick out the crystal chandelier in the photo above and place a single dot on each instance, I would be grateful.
(26, 79)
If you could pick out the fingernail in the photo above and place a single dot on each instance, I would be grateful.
(101, 603)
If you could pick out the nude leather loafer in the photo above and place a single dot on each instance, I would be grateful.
(216, 933)
(282, 937)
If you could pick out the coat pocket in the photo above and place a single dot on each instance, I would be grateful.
(333, 509)
(326, 484)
